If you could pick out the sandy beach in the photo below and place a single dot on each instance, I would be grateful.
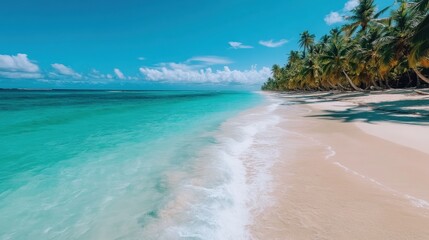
(352, 166)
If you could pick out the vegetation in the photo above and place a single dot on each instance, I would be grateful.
(368, 52)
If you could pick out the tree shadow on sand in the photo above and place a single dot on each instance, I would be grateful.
(413, 111)
(308, 98)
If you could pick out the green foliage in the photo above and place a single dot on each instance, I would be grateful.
(368, 52)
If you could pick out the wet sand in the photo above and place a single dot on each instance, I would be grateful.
(350, 169)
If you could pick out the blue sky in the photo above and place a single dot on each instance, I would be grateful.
(155, 44)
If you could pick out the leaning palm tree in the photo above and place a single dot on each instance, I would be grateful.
(420, 51)
(366, 57)
(421, 5)
(362, 16)
(335, 61)
(306, 41)
(398, 47)
(367, 52)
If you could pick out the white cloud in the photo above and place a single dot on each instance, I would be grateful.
(141, 58)
(333, 17)
(351, 4)
(210, 60)
(95, 74)
(207, 75)
(18, 63)
(273, 44)
(337, 16)
(18, 66)
(25, 75)
(237, 45)
(195, 63)
(181, 66)
(65, 71)
(118, 73)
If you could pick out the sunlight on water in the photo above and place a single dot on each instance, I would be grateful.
(98, 164)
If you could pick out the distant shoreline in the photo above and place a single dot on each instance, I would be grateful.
(94, 90)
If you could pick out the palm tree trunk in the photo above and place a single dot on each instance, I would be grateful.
(419, 74)
(409, 79)
(374, 83)
(356, 88)
(380, 83)
(343, 88)
(330, 84)
(387, 83)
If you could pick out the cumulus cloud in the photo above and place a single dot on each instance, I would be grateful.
(194, 70)
(64, 70)
(118, 73)
(337, 16)
(351, 4)
(273, 44)
(333, 17)
(238, 45)
(18, 66)
(194, 63)
(210, 60)
(207, 75)
(18, 63)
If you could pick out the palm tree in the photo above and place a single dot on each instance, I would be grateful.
(335, 61)
(324, 39)
(311, 72)
(277, 72)
(398, 46)
(420, 52)
(270, 84)
(362, 15)
(306, 41)
(382, 50)
(421, 5)
(366, 57)
(293, 56)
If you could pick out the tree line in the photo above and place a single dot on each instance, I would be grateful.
(370, 51)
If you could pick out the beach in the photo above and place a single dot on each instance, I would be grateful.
(350, 166)
(214, 165)
(214, 120)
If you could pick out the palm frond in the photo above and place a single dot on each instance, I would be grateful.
(377, 15)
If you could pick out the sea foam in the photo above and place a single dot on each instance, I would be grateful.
(229, 182)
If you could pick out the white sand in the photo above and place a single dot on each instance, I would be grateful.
(364, 177)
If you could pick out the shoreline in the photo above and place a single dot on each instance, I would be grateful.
(342, 178)
(227, 181)
(249, 149)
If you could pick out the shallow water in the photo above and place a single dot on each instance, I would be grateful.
(113, 165)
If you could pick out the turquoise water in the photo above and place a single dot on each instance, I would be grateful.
(106, 164)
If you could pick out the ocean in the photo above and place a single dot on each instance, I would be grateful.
(125, 164)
